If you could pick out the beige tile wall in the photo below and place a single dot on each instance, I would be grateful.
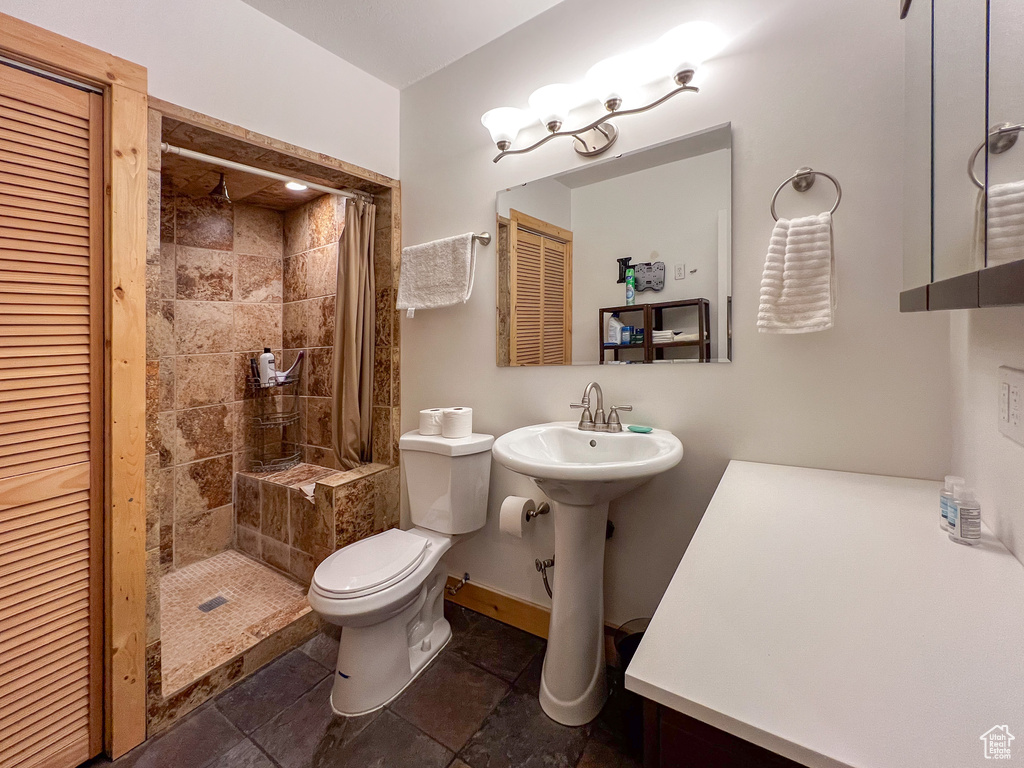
(216, 290)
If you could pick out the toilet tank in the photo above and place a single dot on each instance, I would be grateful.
(447, 480)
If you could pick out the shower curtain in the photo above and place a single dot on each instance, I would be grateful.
(353, 338)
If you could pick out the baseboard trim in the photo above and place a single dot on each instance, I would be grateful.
(515, 611)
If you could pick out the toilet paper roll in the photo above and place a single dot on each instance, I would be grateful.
(430, 421)
(457, 422)
(512, 517)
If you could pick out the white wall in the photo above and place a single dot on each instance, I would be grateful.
(667, 213)
(804, 83)
(547, 199)
(225, 59)
(981, 340)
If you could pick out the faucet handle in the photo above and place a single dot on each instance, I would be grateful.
(614, 425)
(586, 418)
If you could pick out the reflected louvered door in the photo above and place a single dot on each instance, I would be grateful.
(541, 288)
(554, 302)
(51, 390)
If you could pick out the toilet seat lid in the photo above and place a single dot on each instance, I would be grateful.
(370, 565)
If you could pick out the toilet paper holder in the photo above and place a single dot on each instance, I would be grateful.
(542, 509)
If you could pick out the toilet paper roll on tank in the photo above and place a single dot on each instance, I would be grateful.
(452, 423)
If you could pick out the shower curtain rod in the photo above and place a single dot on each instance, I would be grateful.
(221, 162)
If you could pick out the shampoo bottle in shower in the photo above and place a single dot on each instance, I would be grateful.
(268, 370)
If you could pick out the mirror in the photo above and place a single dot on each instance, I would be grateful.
(1004, 163)
(958, 128)
(569, 245)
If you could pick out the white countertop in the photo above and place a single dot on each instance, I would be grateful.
(824, 616)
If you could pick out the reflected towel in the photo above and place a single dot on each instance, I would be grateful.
(1005, 231)
(798, 287)
(437, 274)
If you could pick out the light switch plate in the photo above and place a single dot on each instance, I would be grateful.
(1011, 403)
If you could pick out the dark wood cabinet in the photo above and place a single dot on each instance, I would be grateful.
(675, 740)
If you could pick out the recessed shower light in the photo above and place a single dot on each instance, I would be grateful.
(296, 186)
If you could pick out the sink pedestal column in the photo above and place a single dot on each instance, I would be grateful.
(573, 687)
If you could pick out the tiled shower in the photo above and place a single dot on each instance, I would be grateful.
(224, 280)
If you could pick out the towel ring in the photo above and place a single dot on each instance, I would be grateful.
(1000, 138)
(803, 180)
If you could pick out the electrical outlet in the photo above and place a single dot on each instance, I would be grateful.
(1011, 403)
(680, 271)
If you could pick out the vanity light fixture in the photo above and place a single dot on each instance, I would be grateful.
(613, 82)
(295, 186)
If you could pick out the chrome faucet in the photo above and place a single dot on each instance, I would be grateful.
(597, 422)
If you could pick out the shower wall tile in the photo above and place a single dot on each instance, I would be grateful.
(396, 377)
(247, 541)
(259, 231)
(165, 444)
(201, 486)
(152, 405)
(381, 430)
(202, 327)
(311, 274)
(168, 271)
(203, 274)
(275, 553)
(318, 421)
(166, 384)
(258, 279)
(159, 329)
(274, 511)
(257, 326)
(247, 501)
(153, 217)
(311, 525)
(320, 371)
(154, 493)
(203, 380)
(154, 137)
(382, 376)
(167, 205)
(203, 534)
(383, 309)
(152, 595)
(203, 222)
(205, 432)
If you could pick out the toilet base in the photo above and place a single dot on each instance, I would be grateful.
(377, 662)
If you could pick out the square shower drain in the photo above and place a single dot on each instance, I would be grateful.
(215, 602)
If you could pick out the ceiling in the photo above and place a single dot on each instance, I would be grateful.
(399, 41)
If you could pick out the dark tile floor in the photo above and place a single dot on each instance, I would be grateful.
(475, 707)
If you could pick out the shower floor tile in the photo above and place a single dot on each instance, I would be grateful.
(259, 601)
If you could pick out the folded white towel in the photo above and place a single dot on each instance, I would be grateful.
(1005, 231)
(798, 288)
(437, 274)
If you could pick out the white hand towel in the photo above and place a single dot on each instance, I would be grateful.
(1005, 231)
(798, 288)
(437, 274)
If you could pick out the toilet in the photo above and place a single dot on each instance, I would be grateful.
(387, 591)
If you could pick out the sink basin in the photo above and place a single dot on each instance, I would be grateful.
(581, 472)
(578, 467)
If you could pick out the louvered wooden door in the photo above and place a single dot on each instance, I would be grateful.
(541, 288)
(51, 367)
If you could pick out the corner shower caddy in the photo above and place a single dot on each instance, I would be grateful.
(274, 441)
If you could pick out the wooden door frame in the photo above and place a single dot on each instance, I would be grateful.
(124, 219)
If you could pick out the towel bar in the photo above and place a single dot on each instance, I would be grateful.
(484, 238)
(803, 180)
(1000, 138)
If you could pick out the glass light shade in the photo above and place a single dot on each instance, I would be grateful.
(614, 79)
(689, 45)
(295, 186)
(504, 123)
(551, 104)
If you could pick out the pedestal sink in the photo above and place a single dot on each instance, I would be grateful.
(580, 472)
